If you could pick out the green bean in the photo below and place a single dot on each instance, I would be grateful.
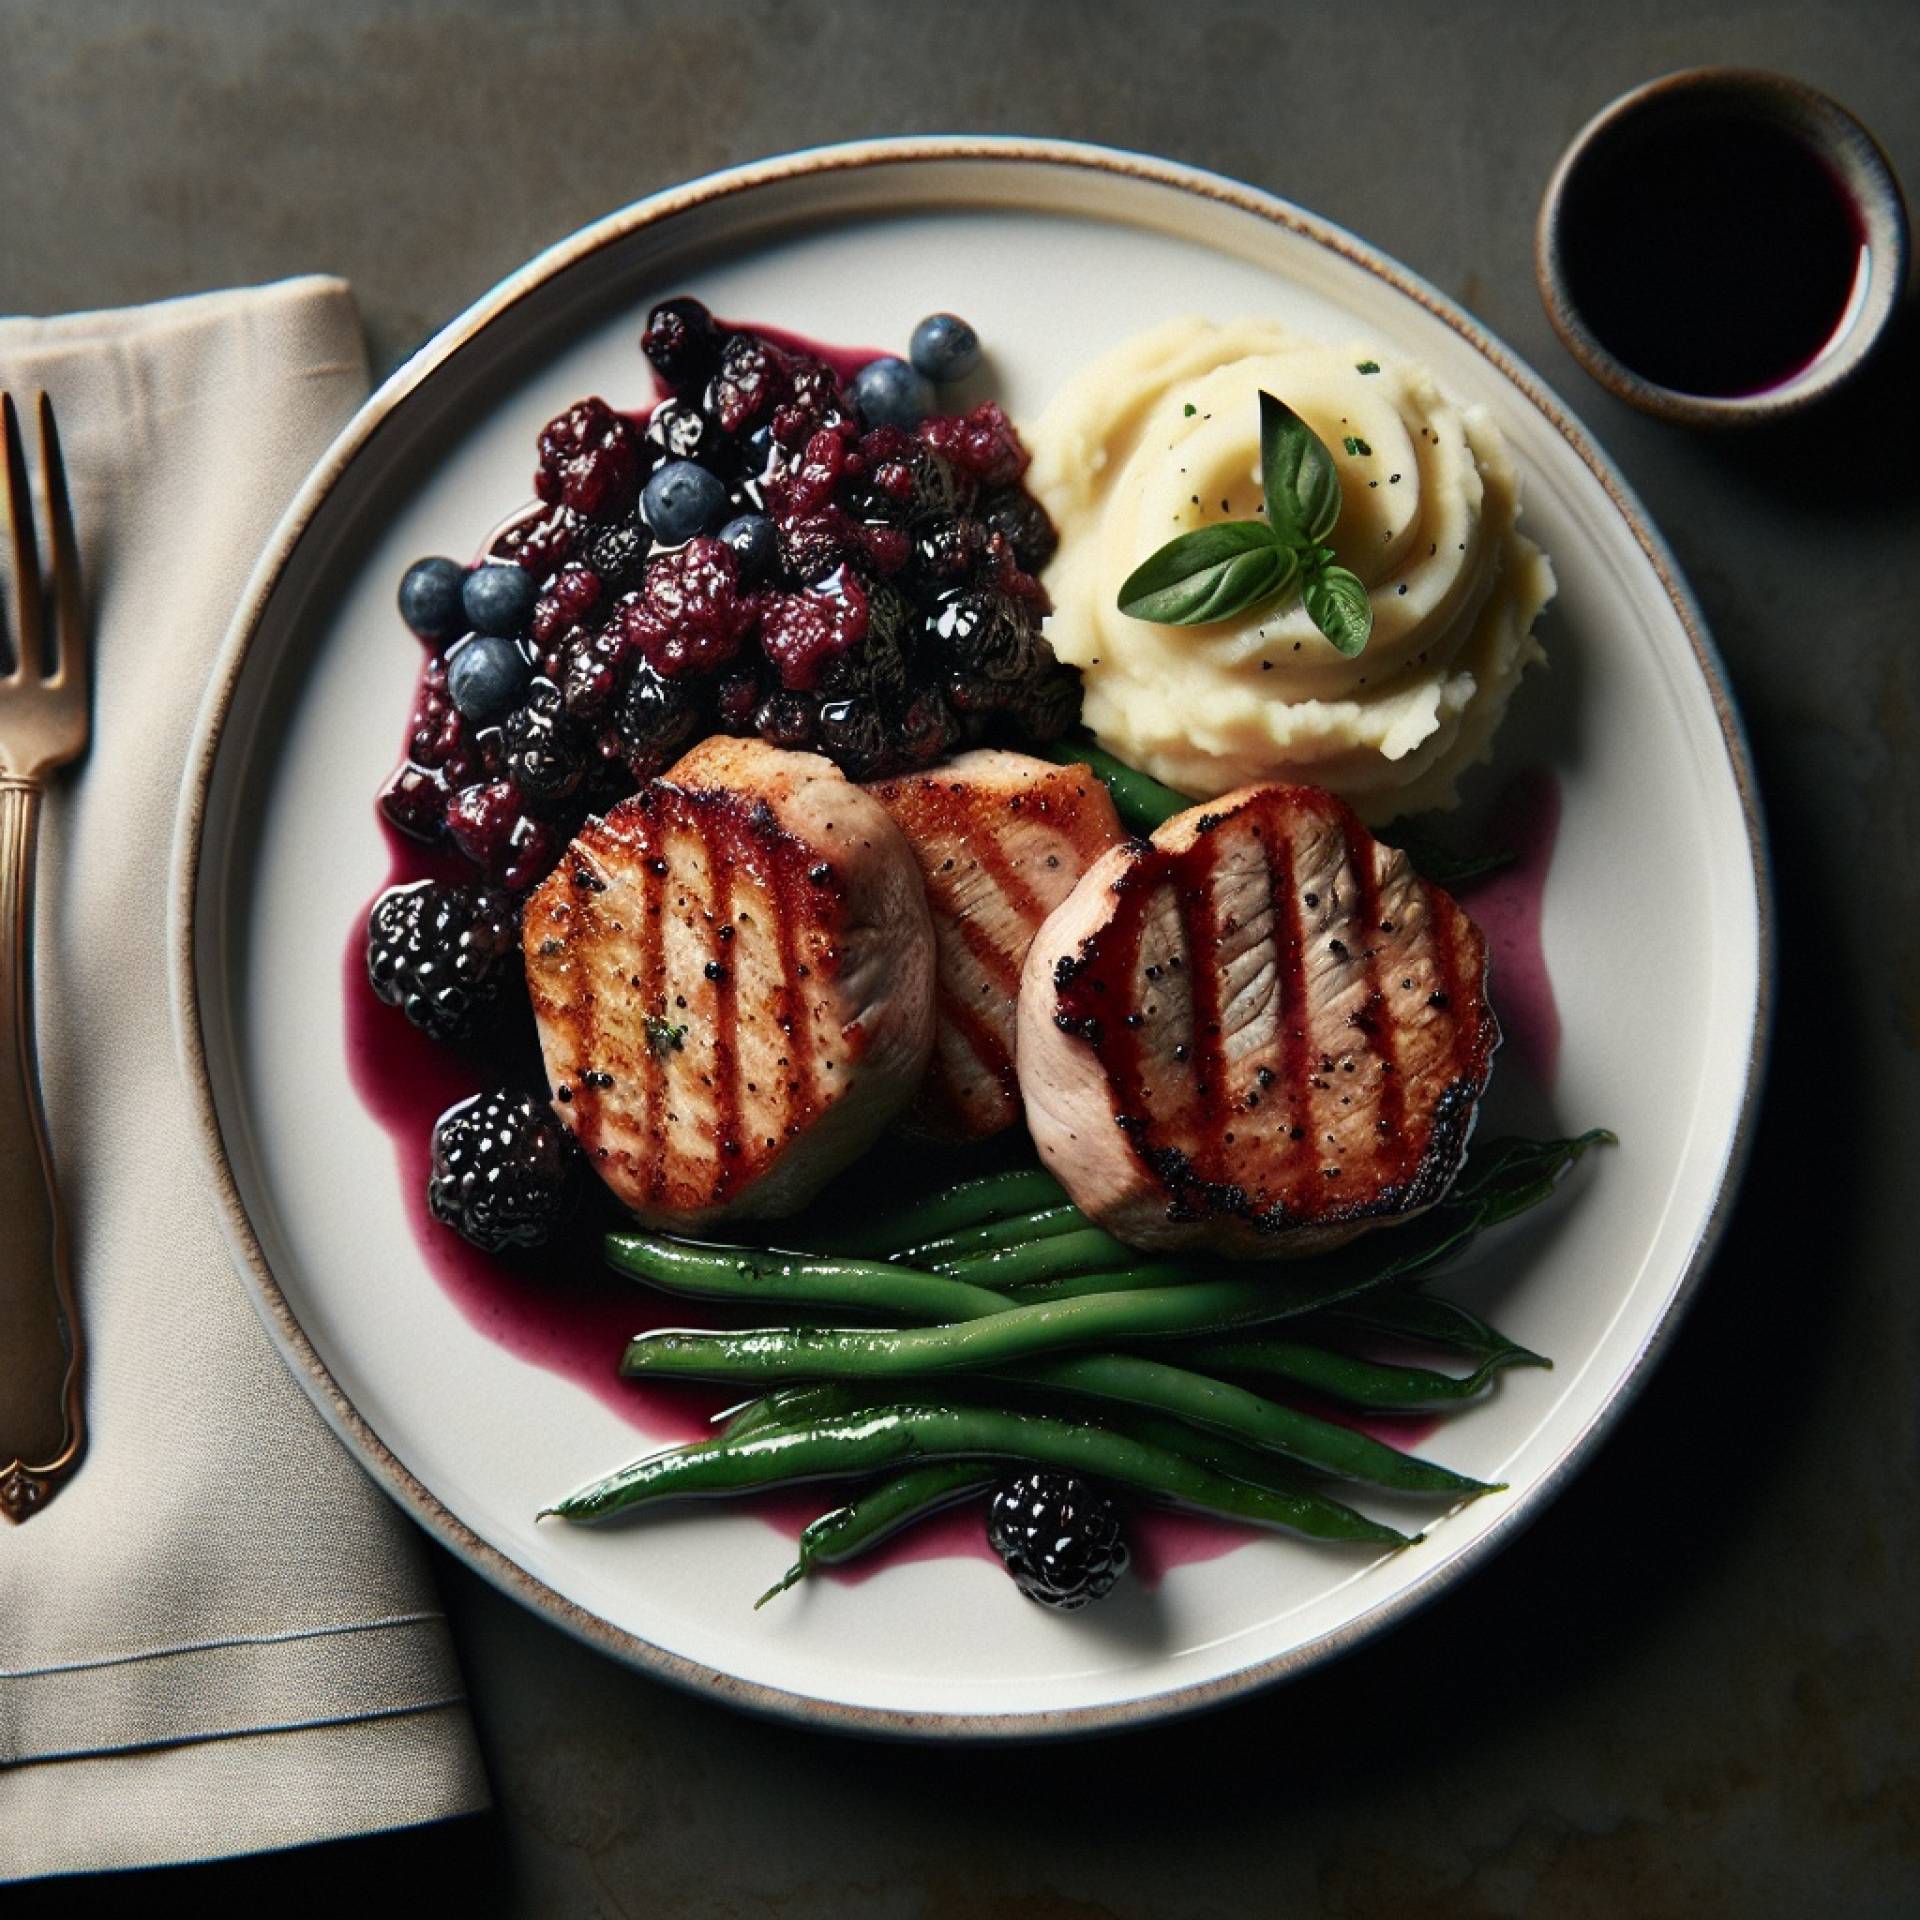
(850, 1353)
(1437, 862)
(1410, 1314)
(892, 1437)
(1135, 1381)
(969, 1204)
(1345, 1377)
(1141, 801)
(688, 1266)
(1071, 1286)
(793, 1406)
(1087, 1250)
(1041, 1224)
(878, 1513)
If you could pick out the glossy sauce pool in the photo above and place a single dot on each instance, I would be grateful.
(560, 1310)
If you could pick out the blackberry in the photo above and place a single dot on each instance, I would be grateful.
(546, 758)
(656, 719)
(590, 673)
(1060, 1538)
(683, 343)
(618, 554)
(1022, 522)
(415, 801)
(505, 1172)
(1050, 706)
(442, 955)
(540, 540)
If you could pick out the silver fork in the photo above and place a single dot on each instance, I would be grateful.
(43, 727)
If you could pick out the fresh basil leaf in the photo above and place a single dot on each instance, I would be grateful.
(1302, 483)
(1209, 574)
(1338, 605)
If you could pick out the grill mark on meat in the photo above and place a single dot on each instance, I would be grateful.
(1205, 940)
(794, 1026)
(1345, 1036)
(721, 970)
(980, 1037)
(1001, 839)
(1375, 1019)
(1290, 955)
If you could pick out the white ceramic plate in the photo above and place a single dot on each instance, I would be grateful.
(1655, 929)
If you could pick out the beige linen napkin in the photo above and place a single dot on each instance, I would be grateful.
(219, 1637)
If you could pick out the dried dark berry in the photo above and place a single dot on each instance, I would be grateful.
(787, 719)
(505, 1172)
(855, 734)
(982, 632)
(1060, 1539)
(1022, 522)
(442, 955)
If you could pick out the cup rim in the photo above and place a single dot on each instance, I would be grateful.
(1867, 179)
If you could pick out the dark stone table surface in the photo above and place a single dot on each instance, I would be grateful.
(1694, 1687)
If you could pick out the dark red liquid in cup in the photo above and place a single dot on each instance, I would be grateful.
(1711, 251)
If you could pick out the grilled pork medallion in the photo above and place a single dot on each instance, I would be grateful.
(1001, 838)
(1260, 1033)
(732, 974)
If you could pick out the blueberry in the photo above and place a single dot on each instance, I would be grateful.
(486, 675)
(499, 599)
(755, 545)
(681, 501)
(944, 348)
(430, 598)
(890, 394)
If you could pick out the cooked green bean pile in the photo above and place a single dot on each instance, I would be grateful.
(995, 1323)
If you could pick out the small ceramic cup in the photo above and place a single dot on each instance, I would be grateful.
(1858, 166)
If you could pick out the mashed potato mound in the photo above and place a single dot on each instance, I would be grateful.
(1161, 436)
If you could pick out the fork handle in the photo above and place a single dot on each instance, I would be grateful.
(41, 1432)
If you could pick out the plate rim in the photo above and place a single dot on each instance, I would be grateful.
(183, 940)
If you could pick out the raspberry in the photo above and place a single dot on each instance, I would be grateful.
(438, 735)
(801, 633)
(571, 595)
(589, 461)
(442, 955)
(505, 1172)
(691, 616)
(982, 443)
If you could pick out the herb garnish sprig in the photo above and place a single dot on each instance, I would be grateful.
(1236, 565)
